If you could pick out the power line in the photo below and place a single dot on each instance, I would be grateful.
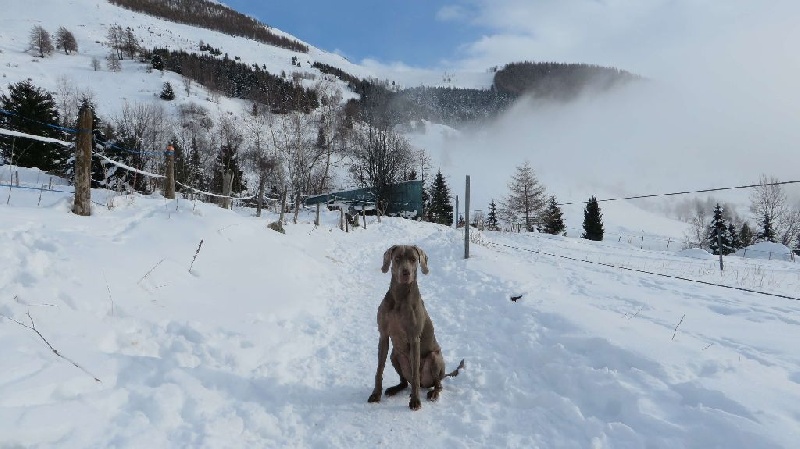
(713, 189)
(645, 271)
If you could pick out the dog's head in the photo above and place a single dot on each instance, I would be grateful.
(403, 260)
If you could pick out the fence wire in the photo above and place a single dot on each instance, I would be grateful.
(636, 270)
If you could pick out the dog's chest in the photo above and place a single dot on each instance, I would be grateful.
(401, 327)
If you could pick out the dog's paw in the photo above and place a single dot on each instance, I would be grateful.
(375, 397)
(433, 395)
(414, 404)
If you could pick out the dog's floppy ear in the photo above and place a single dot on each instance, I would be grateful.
(423, 259)
(387, 258)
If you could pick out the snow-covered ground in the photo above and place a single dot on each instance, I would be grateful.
(269, 340)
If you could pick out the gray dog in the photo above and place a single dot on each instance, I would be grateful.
(416, 356)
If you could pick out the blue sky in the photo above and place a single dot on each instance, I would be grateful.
(420, 33)
(649, 37)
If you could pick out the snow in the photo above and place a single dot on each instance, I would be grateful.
(270, 339)
(696, 253)
(766, 250)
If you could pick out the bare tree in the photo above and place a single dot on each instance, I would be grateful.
(112, 62)
(39, 40)
(130, 45)
(331, 131)
(95, 63)
(65, 40)
(187, 85)
(144, 129)
(770, 200)
(526, 198)
(293, 137)
(115, 37)
(68, 100)
(260, 155)
(380, 158)
(195, 132)
(789, 226)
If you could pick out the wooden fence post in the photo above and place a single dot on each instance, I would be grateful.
(227, 185)
(283, 204)
(83, 164)
(364, 214)
(169, 188)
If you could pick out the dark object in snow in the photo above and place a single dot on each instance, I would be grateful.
(403, 319)
(515, 298)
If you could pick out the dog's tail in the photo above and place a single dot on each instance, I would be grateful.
(454, 373)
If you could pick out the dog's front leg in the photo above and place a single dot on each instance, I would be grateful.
(414, 403)
(383, 350)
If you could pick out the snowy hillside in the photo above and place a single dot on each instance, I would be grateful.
(269, 339)
(89, 21)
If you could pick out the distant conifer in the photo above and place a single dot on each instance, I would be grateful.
(167, 93)
(441, 209)
(491, 218)
(718, 234)
(767, 232)
(592, 221)
(553, 219)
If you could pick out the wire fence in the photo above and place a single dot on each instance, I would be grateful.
(636, 270)
(108, 160)
(643, 241)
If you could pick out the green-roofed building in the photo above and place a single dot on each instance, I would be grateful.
(405, 199)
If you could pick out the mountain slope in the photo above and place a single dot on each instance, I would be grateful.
(89, 22)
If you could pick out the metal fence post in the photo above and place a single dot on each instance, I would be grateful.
(466, 221)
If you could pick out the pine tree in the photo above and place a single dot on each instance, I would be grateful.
(32, 109)
(526, 197)
(441, 209)
(553, 221)
(228, 160)
(767, 232)
(157, 62)
(592, 221)
(718, 234)
(192, 175)
(491, 218)
(745, 236)
(736, 242)
(167, 93)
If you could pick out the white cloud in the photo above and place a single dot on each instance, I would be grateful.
(720, 107)
(645, 36)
